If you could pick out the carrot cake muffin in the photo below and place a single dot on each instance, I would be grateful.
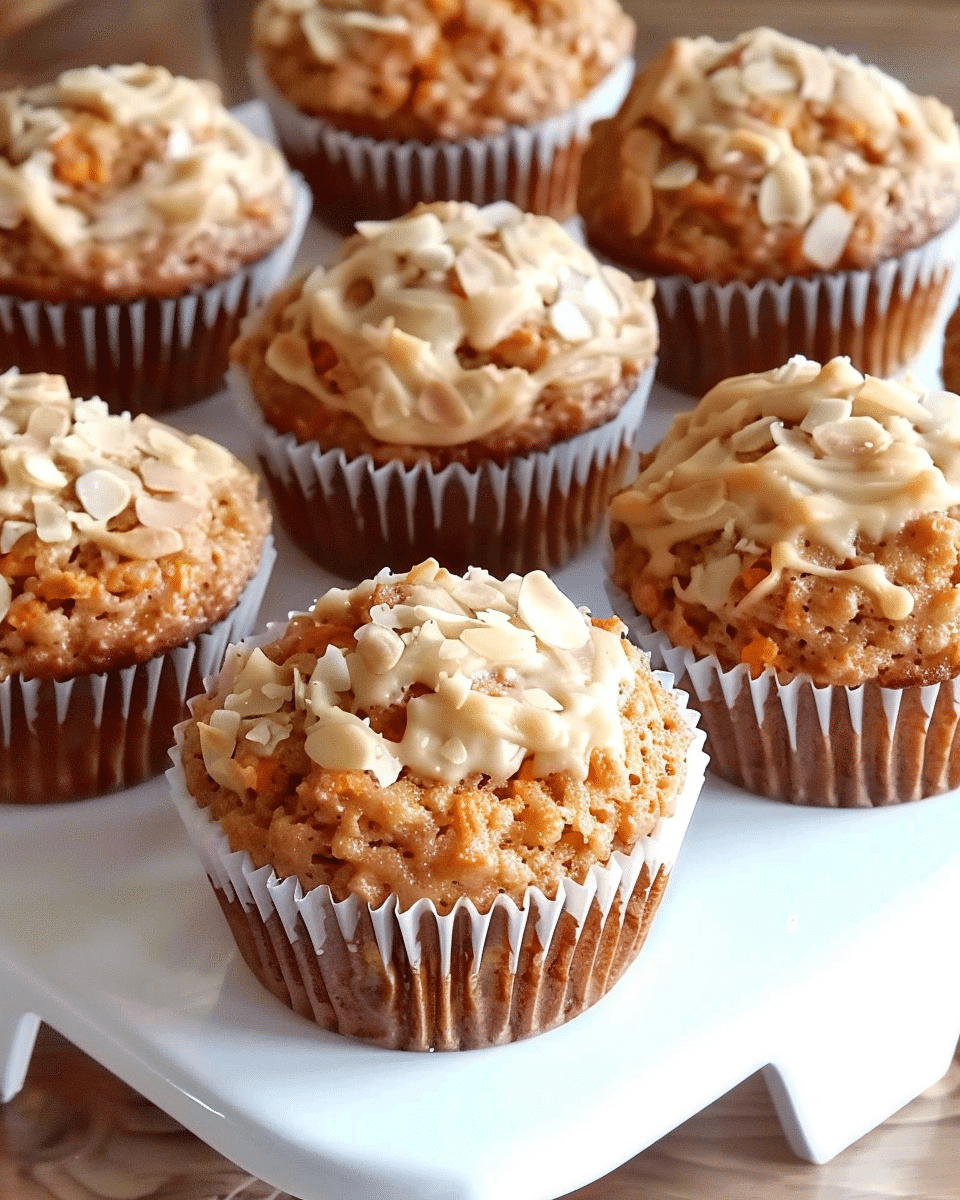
(121, 542)
(791, 198)
(795, 541)
(127, 195)
(392, 102)
(464, 382)
(429, 755)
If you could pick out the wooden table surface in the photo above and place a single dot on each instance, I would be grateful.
(75, 1132)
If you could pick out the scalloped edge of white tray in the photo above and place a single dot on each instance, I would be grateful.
(814, 944)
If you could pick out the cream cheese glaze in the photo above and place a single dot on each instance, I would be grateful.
(796, 457)
(491, 673)
(416, 308)
(61, 143)
(72, 473)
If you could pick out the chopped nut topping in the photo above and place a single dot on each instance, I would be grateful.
(96, 467)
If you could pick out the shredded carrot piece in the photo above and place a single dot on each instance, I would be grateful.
(758, 653)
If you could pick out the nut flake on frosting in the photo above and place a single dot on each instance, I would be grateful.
(108, 155)
(787, 462)
(75, 473)
(813, 142)
(491, 674)
(402, 331)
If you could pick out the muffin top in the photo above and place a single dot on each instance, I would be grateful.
(436, 736)
(452, 326)
(806, 519)
(119, 538)
(125, 181)
(429, 70)
(766, 157)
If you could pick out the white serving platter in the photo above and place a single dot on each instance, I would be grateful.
(817, 945)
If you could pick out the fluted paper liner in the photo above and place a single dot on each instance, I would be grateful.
(148, 355)
(421, 980)
(352, 176)
(830, 746)
(880, 318)
(99, 733)
(535, 511)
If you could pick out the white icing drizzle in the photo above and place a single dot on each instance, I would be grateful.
(513, 669)
(802, 455)
(212, 171)
(72, 472)
(408, 294)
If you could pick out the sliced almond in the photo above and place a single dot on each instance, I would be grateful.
(102, 494)
(11, 533)
(678, 174)
(166, 514)
(569, 321)
(826, 410)
(379, 648)
(552, 616)
(696, 502)
(826, 237)
(48, 423)
(767, 77)
(139, 543)
(856, 438)
(53, 524)
(753, 437)
(441, 404)
(786, 193)
(500, 644)
(542, 699)
(43, 470)
(454, 751)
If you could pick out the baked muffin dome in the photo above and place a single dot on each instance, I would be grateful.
(805, 520)
(127, 181)
(767, 157)
(425, 70)
(434, 737)
(455, 333)
(119, 538)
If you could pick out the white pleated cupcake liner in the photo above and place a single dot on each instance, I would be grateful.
(151, 354)
(880, 318)
(792, 739)
(421, 979)
(535, 511)
(387, 177)
(97, 733)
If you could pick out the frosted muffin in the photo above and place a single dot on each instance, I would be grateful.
(438, 811)
(464, 383)
(401, 101)
(138, 221)
(795, 544)
(129, 555)
(789, 199)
